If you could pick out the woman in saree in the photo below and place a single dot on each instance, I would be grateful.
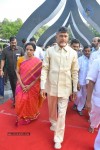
(27, 98)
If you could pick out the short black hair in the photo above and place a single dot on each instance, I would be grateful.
(76, 41)
(23, 40)
(98, 39)
(32, 44)
(33, 39)
(86, 46)
(63, 30)
(12, 38)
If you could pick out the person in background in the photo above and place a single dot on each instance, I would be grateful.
(39, 52)
(60, 67)
(28, 86)
(96, 52)
(23, 43)
(95, 44)
(93, 95)
(11, 54)
(79, 103)
(1, 79)
(75, 44)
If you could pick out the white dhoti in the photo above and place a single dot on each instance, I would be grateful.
(94, 116)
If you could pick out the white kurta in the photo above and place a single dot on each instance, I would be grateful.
(83, 69)
(93, 56)
(94, 75)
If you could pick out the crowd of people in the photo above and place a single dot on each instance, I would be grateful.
(62, 73)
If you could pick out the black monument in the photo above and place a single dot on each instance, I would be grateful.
(70, 17)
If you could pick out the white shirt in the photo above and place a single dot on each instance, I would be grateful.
(93, 49)
(39, 53)
(93, 56)
(94, 75)
(83, 69)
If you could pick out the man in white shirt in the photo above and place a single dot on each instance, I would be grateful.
(93, 95)
(95, 49)
(83, 69)
(95, 44)
(75, 44)
(96, 54)
(38, 52)
(93, 56)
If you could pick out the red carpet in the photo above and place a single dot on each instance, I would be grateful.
(77, 136)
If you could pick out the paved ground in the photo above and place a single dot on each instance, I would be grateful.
(7, 93)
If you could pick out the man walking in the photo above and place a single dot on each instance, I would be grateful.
(60, 67)
(11, 54)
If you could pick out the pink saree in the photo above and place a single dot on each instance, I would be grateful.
(27, 104)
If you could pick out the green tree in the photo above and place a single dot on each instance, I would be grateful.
(9, 28)
(94, 31)
(40, 32)
(5, 21)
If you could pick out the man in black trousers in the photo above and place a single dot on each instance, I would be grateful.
(11, 54)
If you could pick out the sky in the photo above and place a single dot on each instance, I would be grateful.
(13, 9)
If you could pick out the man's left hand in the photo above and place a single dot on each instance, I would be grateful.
(74, 96)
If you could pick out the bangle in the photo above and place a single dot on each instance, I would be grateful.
(1, 69)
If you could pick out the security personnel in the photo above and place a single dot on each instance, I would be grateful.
(11, 54)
